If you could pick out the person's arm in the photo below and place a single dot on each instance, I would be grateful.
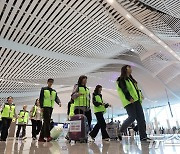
(75, 93)
(57, 100)
(122, 85)
(41, 97)
(2, 107)
(68, 108)
(15, 114)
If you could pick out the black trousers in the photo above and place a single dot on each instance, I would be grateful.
(87, 114)
(23, 127)
(45, 131)
(36, 127)
(135, 112)
(0, 125)
(101, 124)
(5, 128)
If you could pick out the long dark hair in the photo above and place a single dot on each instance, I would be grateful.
(124, 76)
(81, 79)
(36, 101)
(96, 90)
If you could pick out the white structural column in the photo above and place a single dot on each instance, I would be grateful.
(177, 124)
(168, 125)
(156, 126)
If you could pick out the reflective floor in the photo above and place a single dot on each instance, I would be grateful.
(128, 145)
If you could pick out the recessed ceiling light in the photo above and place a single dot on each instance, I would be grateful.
(128, 16)
(110, 1)
(141, 27)
(159, 41)
(165, 46)
(132, 50)
(170, 51)
(151, 35)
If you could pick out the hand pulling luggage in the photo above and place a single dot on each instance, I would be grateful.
(113, 129)
(78, 130)
(56, 132)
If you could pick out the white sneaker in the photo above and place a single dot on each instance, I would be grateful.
(91, 139)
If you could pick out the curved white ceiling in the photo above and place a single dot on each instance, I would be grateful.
(63, 39)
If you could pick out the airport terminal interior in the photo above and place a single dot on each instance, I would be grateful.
(63, 40)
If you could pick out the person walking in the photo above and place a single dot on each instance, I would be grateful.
(131, 98)
(23, 117)
(36, 119)
(81, 97)
(47, 98)
(99, 110)
(8, 113)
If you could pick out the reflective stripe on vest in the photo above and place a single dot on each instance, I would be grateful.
(84, 99)
(8, 111)
(49, 98)
(71, 113)
(132, 91)
(34, 110)
(23, 117)
(99, 108)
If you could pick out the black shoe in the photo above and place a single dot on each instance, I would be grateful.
(34, 138)
(120, 136)
(67, 138)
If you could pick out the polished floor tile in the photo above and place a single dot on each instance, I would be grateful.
(127, 146)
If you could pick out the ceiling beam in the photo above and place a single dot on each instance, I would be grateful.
(141, 27)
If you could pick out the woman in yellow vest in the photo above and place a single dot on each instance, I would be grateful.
(131, 98)
(70, 113)
(99, 110)
(23, 117)
(8, 113)
(36, 119)
(81, 97)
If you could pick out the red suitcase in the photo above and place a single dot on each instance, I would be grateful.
(78, 130)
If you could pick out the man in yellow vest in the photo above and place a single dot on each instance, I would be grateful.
(8, 113)
(23, 117)
(131, 98)
(47, 98)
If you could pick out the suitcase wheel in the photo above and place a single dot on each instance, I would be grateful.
(69, 141)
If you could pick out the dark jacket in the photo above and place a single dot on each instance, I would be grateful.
(41, 98)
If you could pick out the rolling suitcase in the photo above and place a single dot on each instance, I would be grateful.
(56, 132)
(78, 130)
(113, 129)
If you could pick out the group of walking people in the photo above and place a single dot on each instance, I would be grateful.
(128, 90)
